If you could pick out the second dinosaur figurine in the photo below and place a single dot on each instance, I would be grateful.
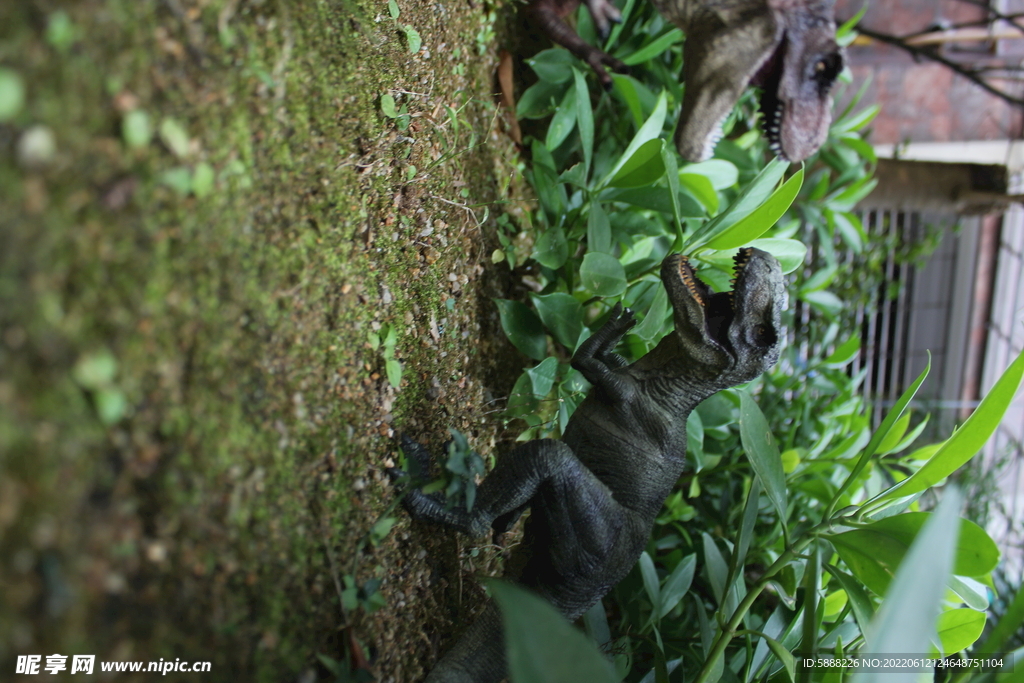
(595, 493)
(787, 47)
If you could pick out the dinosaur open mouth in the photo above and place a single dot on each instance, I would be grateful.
(769, 79)
(719, 307)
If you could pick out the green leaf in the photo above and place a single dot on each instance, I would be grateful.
(654, 48)
(545, 181)
(719, 172)
(613, 37)
(668, 160)
(381, 529)
(599, 231)
(761, 219)
(595, 621)
(60, 31)
(387, 105)
(522, 327)
(701, 188)
(899, 428)
(332, 665)
(912, 436)
(393, 9)
(972, 592)
(826, 302)
(959, 629)
(848, 198)
(874, 551)
(643, 167)
(393, 368)
(677, 584)
(175, 137)
(202, 180)
(136, 129)
(412, 37)
(111, 405)
(541, 646)
(856, 121)
(966, 441)
(653, 324)
(860, 146)
(650, 578)
(651, 130)
(95, 370)
(584, 117)
(551, 249)
(763, 452)
(718, 570)
(844, 353)
(626, 87)
(860, 602)
(12, 94)
(819, 280)
(575, 175)
(553, 65)
(784, 656)
(542, 376)
(869, 451)
(539, 100)
(602, 275)
(178, 179)
(563, 122)
(522, 402)
(847, 26)
(747, 528)
(790, 460)
(562, 314)
(905, 622)
(751, 197)
(790, 253)
(655, 198)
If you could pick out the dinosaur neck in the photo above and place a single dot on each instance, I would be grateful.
(677, 380)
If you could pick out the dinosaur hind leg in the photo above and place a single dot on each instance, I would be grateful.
(572, 496)
(478, 656)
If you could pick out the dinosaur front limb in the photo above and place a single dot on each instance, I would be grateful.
(596, 358)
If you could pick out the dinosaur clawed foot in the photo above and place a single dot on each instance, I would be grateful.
(621, 320)
(417, 459)
(604, 14)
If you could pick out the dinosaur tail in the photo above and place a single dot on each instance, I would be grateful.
(478, 656)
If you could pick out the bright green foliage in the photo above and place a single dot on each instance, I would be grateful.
(12, 94)
(385, 342)
(542, 646)
(465, 466)
(795, 493)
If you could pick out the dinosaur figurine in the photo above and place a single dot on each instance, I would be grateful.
(786, 47)
(595, 493)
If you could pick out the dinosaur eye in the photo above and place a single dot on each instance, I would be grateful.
(827, 69)
(763, 336)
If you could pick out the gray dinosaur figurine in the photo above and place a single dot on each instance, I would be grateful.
(594, 494)
(787, 47)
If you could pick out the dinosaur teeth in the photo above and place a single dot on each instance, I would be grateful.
(686, 274)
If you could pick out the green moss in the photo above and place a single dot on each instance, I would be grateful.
(197, 525)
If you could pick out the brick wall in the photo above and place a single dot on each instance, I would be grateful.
(924, 101)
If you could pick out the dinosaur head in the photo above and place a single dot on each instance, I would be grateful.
(736, 334)
(787, 48)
